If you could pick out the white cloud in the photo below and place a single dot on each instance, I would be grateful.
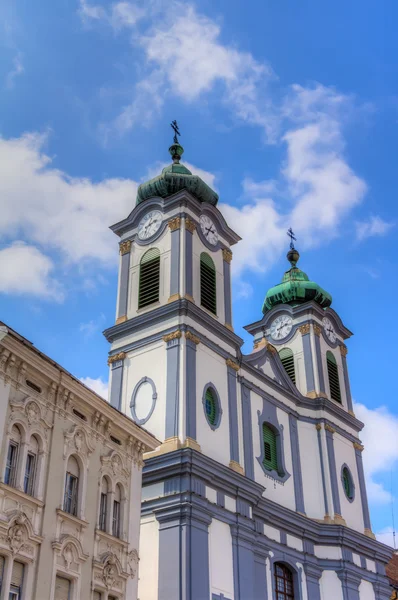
(17, 70)
(45, 206)
(386, 536)
(97, 385)
(381, 447)
(92, 327)
(25, 270)
(372, 227)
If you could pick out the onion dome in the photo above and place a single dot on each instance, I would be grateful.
(173, 179)
(296, 288)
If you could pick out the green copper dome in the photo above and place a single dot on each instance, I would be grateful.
(295, 288)
(173, 179)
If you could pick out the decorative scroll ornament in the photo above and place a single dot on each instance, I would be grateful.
(77, 440)
(32, 411)
(190, 225)
(271, 348)
(67, 555)
(194, 338)
(17, 532)
(172, 336)
(230, 363)
(358, 446)
(317, 330)
(304, 329)
(343, 350)
(125, 247)
(110, 571)
(116, 357)
(329, 428)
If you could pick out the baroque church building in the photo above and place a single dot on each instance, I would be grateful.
(257, 491)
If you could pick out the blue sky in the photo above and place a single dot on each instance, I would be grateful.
(290, 110)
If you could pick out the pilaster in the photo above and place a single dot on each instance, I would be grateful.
(318, 359)
(232, 369)
(172, 341)
(305, 331)
(296, 461)
(324, 470)
(362, 489)
(124, 249)
(190, 227)
(116, 363)
(247, 432)
(329, 431)
(343, 352)
(350, 584)
(313, 574)
(175, 229)
(191, 343)
(227, 258)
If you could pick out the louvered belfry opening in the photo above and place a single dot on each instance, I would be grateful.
(211, 407)
(286, 356)
(149, 284)
(270, 460)
(208, 297)
(333, 374)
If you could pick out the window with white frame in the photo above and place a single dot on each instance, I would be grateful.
(30, 466)
(62, 588)
(10, 474)
(71, 486)
(103, 505)
(116, 512)
(16, 581)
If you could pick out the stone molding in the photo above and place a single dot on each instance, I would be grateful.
(121, 319)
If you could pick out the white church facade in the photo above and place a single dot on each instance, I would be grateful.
(257, 491)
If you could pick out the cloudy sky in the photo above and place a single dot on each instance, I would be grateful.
(289, 110)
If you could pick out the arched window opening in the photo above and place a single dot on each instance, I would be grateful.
(270, 460)
(347, 483)
(287, 360)
(333, 374)
(149, 283)
(30, 466)
(62, 588)
(284, 586)
(103, 504)
(12, 456)
(116, 512)
(16, 580)
(208, 295)
(71, 486)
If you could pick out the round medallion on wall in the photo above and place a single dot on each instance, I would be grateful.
(149, 224)
(143, 400)
(281, 327)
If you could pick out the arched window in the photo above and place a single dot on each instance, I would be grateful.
(270, 460)
(208, 296)
(287, 360)
(116, 517)
(103, 504)
(10, 474)
(71, 486)
(333, 374)
(284, 587)
(348, 483)
(149, 284)
(30, 466)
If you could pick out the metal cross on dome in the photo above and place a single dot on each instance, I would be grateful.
(174, 126)
(293, 238)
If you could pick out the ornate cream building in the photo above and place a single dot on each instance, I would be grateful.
(70, 484)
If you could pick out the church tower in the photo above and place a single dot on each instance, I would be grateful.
(257, 489)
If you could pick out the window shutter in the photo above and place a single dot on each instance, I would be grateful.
(287, 360)
(149, 278)
(333, 374)
(62, 588)
(17, 574)
(270, 455)
(211, 408)
(208, 296)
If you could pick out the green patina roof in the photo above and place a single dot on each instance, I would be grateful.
(174, 178)
(296, 288)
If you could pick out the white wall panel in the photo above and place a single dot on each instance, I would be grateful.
(149, 559)
(330, 586)
(220, 558)
(311, 470)
(366, 591)
(350, 511)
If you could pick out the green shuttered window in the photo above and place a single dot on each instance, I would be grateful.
(208, 297)
(286, 356)
(149, 285)
(270, 460)
(333, 374)
(347, 483)
(211, 407)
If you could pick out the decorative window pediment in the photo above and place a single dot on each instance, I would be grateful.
(77, 440)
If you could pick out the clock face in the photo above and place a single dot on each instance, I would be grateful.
(281, 327)
(329, 330)
(209, 230)
(149, 224)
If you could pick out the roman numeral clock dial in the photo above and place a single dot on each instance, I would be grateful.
(281, 327)
(209, 230)
(149, 224)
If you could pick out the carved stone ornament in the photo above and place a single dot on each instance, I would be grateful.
(230, 363)
(77, 440)
(175, 223)
(32, 411)
(67, 555)
(114, 465)
(304, 329)
(110, 571)
(271, 348)
(227, 255)
(190, 225)
(132, 562)
(329, 428)
(358, 446)
(115, 357)
(192, 337)
(17, 532)
(125, 247)
(172, 336)
(318, 426)
(343, 350)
